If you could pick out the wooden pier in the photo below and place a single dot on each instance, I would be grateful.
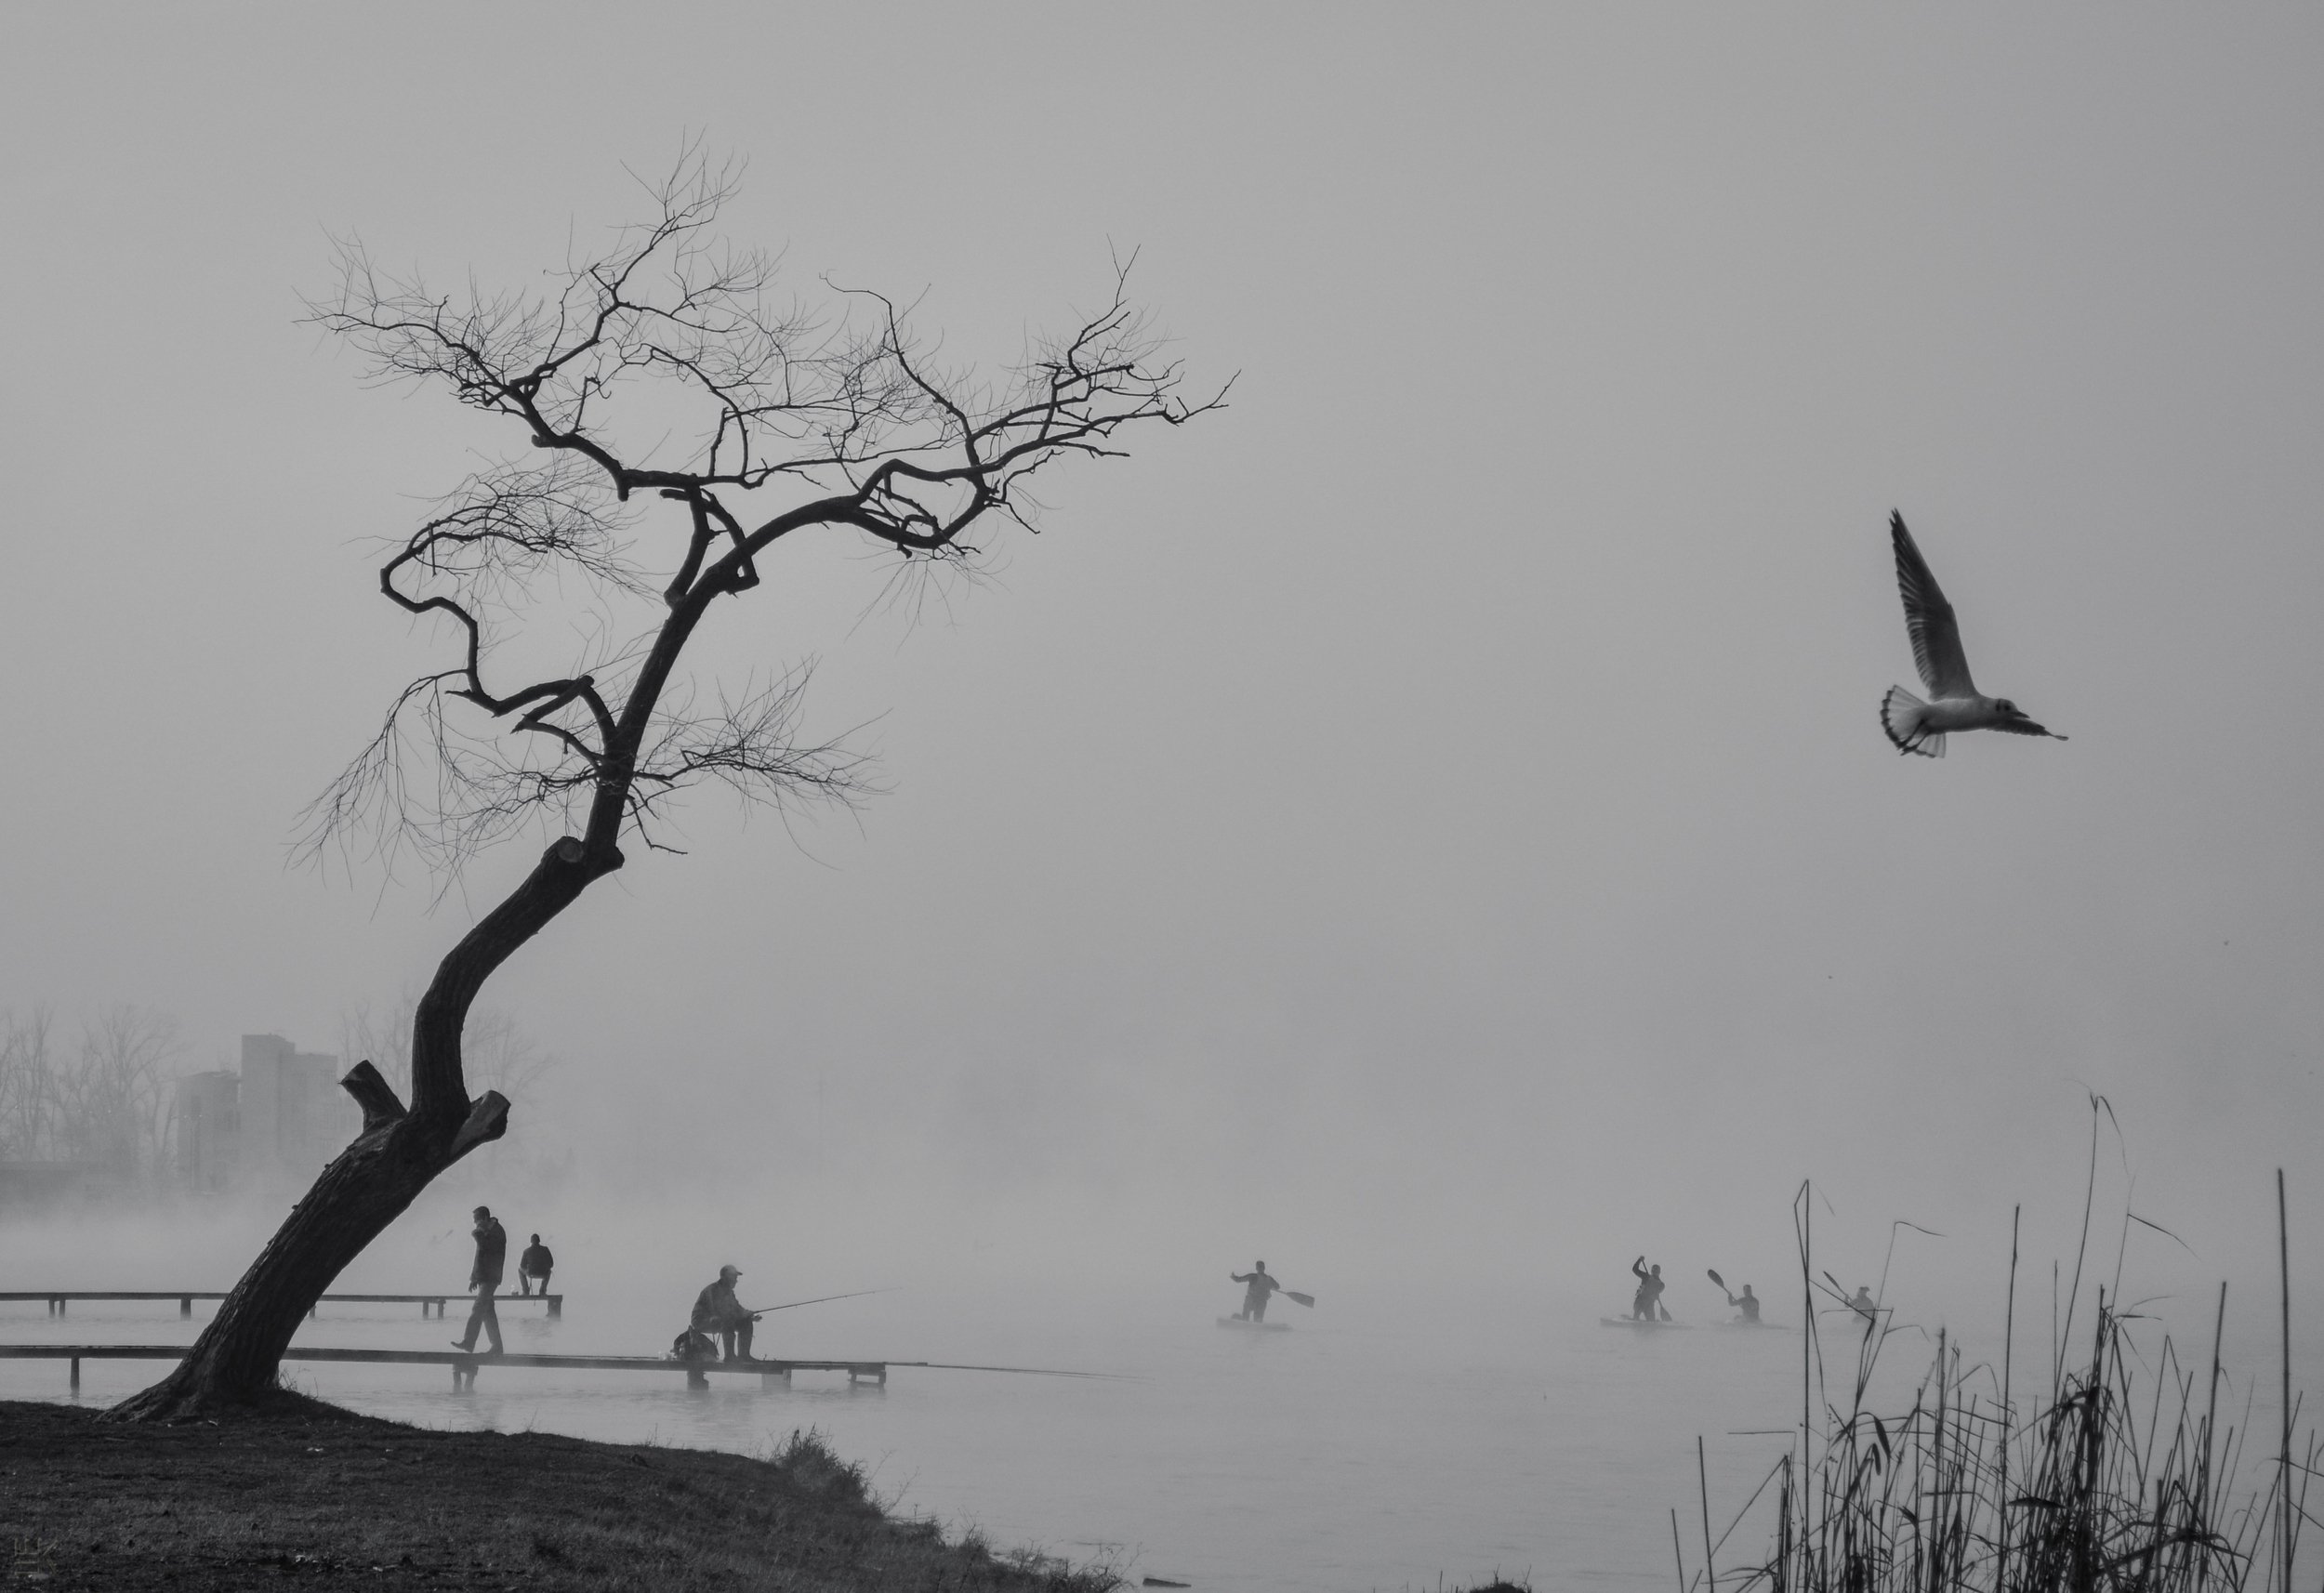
(770, 1374)
(54, 1298)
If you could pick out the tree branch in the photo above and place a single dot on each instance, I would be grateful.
(374, 1094)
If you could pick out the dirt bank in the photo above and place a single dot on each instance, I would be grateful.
(311, 1496)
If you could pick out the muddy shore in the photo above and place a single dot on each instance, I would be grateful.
(308, 1494)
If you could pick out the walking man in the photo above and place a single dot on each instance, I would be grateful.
(533, 1266)
(492, 1252)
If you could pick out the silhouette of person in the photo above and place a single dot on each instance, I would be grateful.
(535, 1266)
(1255, 1297)
(1649, 1297)
(492, 1253)
(719, 1313)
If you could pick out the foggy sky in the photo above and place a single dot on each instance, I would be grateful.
(1431, 816)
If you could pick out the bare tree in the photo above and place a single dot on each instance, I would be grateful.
(104, 1109)
(112, 1106)
(676, 418)
(28, 1087)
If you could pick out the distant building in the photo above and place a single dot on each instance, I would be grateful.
(209, 1132)
(278, 1121)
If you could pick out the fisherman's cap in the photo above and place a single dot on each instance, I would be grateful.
(484, 1211)
(729, 1271)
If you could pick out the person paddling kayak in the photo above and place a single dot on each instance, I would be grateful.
(1260, 1285)
(1747, 1305)
(1650, 1286)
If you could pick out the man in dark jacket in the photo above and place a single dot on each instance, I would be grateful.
(533, 1266)
(492, 1253)
(717, 1311)
(1255, 1295)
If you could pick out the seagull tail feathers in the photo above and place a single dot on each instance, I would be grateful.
(1904, 717)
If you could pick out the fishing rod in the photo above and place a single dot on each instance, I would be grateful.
(1020, 1371)
(857, 1294)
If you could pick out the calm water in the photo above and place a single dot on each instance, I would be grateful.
(1373, 1446)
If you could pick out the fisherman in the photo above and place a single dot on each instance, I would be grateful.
(492, 1252)
(1747, 1305)
(718, 1313)
(533, 1266)
(1864, 1305)
(1255, 1295)
(1648, 1299)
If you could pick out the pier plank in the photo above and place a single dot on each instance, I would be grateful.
(463, 1363)
(56, 1299)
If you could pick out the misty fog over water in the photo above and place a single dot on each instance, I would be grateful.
(1426, 824)
(1398, 1431)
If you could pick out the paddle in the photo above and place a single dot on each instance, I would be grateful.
(1295, 1294)
(1717, 1279)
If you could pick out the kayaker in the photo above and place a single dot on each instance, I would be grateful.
(1255, 1294)
(1650, 1286)
(1747, 1305)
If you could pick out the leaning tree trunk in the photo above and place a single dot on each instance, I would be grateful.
(371, 1182)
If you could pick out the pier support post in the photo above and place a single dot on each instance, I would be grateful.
(556, 1305)
(185, 1307)
(76, 1374)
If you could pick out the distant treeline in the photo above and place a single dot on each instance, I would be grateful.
(100, 1105)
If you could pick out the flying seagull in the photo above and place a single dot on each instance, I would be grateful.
(1956, 705)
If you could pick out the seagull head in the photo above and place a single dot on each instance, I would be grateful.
(2016, 719)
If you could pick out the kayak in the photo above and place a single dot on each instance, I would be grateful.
(1250, 1326)
(1639, 1323)
(1741, 1321)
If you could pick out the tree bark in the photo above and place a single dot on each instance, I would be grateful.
(237, 1361)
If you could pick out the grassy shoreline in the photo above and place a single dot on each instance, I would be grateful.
(319, 1497)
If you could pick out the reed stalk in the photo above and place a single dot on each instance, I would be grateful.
(2106, 1485)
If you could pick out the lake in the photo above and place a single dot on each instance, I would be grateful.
(1377, 1445)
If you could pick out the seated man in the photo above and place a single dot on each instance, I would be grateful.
(535, 1266)
(719, 1313)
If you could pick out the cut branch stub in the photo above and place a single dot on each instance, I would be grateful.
(374, 1094)
(488, 1119)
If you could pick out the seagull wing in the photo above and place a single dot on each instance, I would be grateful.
(1929, 620)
